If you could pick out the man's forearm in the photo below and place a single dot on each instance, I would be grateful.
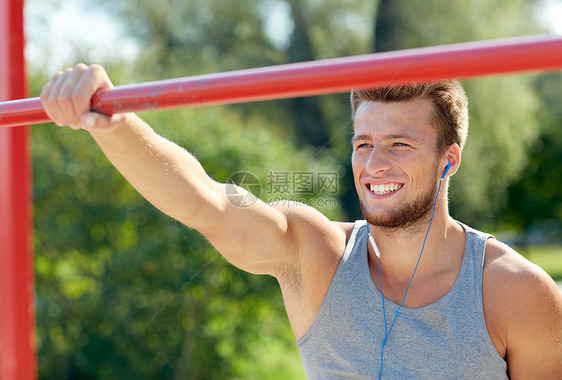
(162, 172)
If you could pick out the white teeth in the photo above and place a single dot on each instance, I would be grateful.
(385, 189)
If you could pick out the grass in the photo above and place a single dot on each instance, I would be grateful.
(547, 257)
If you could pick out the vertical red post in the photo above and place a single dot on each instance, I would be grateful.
(17, 322)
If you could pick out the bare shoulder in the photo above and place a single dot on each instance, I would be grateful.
(523, 309)
(513, 273)
(318, 239)
(310, 223)
(521, 284)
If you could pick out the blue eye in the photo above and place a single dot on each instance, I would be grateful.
(363, 145)
(400, 144)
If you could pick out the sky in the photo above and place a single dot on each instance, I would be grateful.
(552, 15)
(56, 29)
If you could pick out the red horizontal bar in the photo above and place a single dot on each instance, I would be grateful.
(462, 61)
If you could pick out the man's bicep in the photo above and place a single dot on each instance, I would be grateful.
(535, 349)
(254, 236)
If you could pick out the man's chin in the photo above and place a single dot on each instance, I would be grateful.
(387, 223)
(406, 218)
(385, 219)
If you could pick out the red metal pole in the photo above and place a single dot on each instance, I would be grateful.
(467, 60)
(17, 326)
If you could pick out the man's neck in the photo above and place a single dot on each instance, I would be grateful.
(400, 248)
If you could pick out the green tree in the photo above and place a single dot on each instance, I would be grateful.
(535, 201)
(309, 118)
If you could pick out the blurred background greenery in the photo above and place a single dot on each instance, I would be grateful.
(123, 291)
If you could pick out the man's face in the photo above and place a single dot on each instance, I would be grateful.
(394, 161)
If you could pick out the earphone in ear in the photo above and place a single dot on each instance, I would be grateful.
(446, 169)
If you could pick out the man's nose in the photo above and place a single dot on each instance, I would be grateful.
(378, 162)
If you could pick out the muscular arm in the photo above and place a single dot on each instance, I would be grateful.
(258, 238)
(534, 341)
(525, 312)
(174, 181)
(161, 171)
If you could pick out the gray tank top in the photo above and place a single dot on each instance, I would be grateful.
(447, 339)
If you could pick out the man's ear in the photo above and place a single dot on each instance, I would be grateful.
(451, 160)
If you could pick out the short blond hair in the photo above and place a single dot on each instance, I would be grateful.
(450, 106)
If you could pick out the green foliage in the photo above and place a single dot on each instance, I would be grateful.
(535, 201)
(436, 22)
(125, 292)
(501, 134)
(198, 36)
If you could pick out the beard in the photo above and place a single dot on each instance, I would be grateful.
(406, 215)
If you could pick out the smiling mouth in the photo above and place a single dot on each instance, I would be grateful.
(385, 189)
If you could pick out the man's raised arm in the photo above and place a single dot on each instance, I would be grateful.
(258, 238)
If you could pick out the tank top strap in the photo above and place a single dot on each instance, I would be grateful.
(475, 248)
(359, 230)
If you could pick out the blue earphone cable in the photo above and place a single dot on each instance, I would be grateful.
(387, 333)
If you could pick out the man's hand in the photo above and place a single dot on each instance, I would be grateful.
(66, 98)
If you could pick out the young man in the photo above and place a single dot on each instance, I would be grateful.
(442, 301)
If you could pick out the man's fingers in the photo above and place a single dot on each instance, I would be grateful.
(102, 79)
(51, 107)
(70, 101)
(94, 121)
(54, 101)
(67, 96)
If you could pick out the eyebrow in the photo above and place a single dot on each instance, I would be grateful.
(359, 137)
(386, 137)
